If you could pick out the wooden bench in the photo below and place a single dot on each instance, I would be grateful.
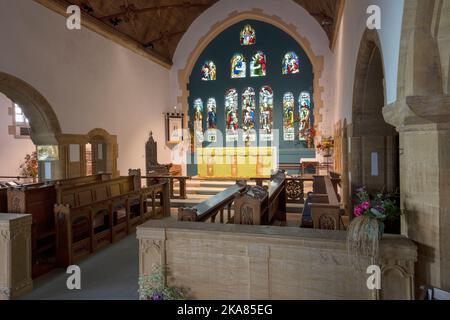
(322, 208)
(209, 209)
(103, 214)
(261, 206)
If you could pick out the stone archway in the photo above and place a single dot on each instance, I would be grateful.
(373, 160)
(44, 123)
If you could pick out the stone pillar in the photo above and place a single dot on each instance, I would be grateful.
(15, 255)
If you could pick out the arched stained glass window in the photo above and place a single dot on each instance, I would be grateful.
(291, 63)
(305, 115)
(249, 114)
(238, 66)
(258, 65)
(266, 113)
(288, 116)
(231, 115)
(248, 36)
(211, 110)
(209, 71)
(198, 119)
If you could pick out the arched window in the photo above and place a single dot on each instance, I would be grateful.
(238, 66)
(248, 36)
(209, 71)
(212, 120)
(258, 65)
(231, 115)
(291, 64)
(266, 113)
(198, 119)
(288, 116)
(249, 114)
(305, 115)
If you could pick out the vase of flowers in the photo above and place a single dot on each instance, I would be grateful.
(29, 168)
(367, 228)
(153, 286)
(326, 146)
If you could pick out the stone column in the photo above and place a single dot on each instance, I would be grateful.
(15, 255)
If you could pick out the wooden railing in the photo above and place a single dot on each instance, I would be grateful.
(295, 187)
(209, 209)
(182, 194)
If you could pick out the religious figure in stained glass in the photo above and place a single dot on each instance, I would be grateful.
(209, 72)
(231, 115)
(212, 120)
(248, 36)
(305, 112)
(258, 65)
(238, 66)
(291, 63)
(266, 113)
(249, 114)
(288, 117)
(198, 119)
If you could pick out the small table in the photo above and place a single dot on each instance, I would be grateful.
(306, 163)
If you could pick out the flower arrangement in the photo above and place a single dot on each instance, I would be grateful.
(367, 228)
(153, 287)
(326, 146)
(29, 168)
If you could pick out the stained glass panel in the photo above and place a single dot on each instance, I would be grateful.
(248, 36)
(266, 110)
(288, 117)
(249, 114)
(291, 63)
(258, 65)
(198, 119)
(209, 71)
(212, 120)
(231, 115)
(238, 66)
(305, 113)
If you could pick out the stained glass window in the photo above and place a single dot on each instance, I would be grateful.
(238, 66)
(258, 65)
(198, 119)
(209, 71)
(212, 120)
(249, 114)
(231, 115)
(288, 117)
(290, 63)
(305, 112)
(248, 36)
(266, 116)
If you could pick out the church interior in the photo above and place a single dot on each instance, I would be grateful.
(224, 149)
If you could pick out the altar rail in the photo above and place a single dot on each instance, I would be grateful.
(225, 261)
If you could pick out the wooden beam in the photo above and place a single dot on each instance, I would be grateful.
(96, 25)
(337, 22)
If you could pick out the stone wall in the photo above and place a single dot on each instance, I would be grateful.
(252, 262)
(15, 255)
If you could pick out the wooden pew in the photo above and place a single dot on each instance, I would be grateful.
(209, 209)
(322, 209)
(104, 217)
(258, 206)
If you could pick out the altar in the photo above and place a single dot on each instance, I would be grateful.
(244, 162)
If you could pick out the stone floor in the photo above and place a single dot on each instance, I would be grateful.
(111, 274)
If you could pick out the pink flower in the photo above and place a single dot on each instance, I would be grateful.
(358, 211)
(365, 205)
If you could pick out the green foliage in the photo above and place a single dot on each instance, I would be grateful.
(153, 286)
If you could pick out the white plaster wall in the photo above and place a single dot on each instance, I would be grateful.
(346, 51)
(288, 11)
(90, 81)
(12, 150)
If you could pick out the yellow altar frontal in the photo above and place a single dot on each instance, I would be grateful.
(244, 162)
